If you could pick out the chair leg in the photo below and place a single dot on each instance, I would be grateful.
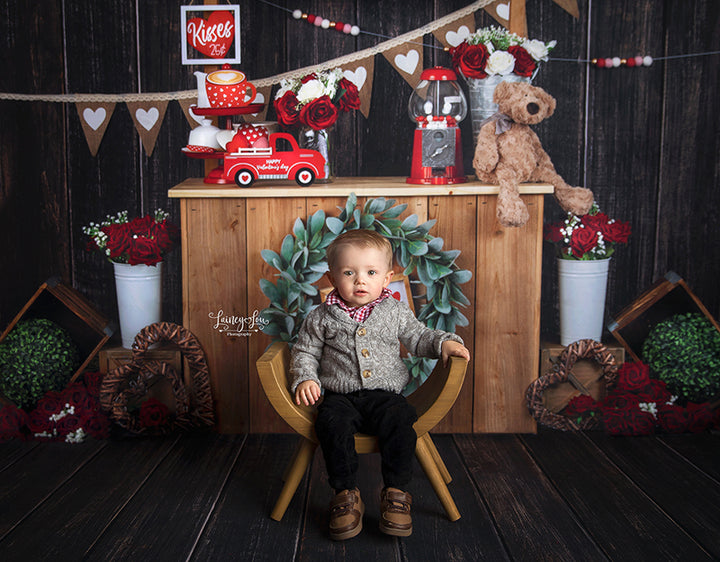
(424, 455)
(293, 476)
(438, 459)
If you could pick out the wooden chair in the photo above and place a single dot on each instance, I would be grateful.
(432, 400)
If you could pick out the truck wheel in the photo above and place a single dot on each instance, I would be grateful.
(305, 177)
(244, 178)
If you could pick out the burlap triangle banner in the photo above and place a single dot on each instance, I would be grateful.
(94, 119)
(500, 11)
(570, 6)
(361, 74)
(193, 119)
(263, 96)
(148, 117)
(456, 32)
(407, 59)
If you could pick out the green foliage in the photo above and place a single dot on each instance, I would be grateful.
(684, 351)
(36, 356)
(301, 262)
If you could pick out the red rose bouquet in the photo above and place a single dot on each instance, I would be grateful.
(493, 50)
(143, 240)
(315, 100)
(71, 415)
(587, 237)
(641, 405)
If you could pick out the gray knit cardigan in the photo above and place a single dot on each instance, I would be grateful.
(343, 355)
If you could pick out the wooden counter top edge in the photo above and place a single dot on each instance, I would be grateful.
(361, 186)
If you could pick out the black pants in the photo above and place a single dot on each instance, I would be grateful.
(377, 412)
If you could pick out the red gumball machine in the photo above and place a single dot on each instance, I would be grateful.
(436, 106)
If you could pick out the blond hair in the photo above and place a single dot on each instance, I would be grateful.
(360, 238)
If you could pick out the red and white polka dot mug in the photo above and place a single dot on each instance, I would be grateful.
(229, 88)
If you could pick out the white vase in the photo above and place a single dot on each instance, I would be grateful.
(582, 290)
(139, 299)
(481, 92)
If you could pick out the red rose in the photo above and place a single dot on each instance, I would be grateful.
(68, 424)
(524, 63)
(286, 109)
(616, 400)
(98, 425)
(350, 99)
(12, 420)
(655, 391)
(470, 60)
(672, 418)
(552, 232)
(582, 241)
(629, 422)
(308, 77)
(141, 225)
(318, 114)
(93, 382)
(144, 251)
(39, 422)
(119, 239)
(580, 405)
(76, 395)
(617, 232)
(166, 234)
(50, 404)
(632, 377)
(153, 413)
(595, 222)
(700, 417)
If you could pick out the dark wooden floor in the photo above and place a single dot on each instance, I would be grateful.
(551, 496)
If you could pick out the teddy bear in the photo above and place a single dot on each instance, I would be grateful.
(508, 152)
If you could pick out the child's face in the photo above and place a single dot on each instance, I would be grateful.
(360, 274)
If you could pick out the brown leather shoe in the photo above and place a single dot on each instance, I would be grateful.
(346, 511)
(395, 508)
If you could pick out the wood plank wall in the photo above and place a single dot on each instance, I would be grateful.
(645, 140)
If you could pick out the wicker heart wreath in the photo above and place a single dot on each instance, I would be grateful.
(131, 380)
(582, 349)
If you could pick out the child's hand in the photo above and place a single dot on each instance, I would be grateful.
(450, 347)
(307, 392)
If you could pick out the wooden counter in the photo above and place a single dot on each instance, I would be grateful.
(224, 229)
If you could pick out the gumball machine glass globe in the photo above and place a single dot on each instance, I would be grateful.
(438, 95)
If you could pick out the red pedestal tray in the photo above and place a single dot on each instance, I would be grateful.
(216, 174)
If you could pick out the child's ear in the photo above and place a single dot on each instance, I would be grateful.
(388, 278)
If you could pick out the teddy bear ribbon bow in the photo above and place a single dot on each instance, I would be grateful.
(502, 122)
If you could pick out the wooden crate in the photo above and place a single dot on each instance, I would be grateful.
(665, 298)
(587, 376)
(69, 309)
(114, 356)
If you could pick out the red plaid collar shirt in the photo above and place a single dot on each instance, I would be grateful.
(360, 313)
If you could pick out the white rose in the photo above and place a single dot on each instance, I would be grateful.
(310, 90)
(536, 49)
(500, 62)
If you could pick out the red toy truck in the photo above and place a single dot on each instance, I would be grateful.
(250, 164)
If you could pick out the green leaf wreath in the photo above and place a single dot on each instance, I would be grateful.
(301, 262)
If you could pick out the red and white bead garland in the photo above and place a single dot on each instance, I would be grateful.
(319, 21)
(614, 62)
